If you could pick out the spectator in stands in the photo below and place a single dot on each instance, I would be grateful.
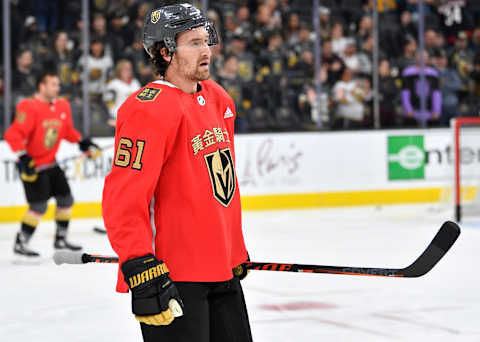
(117, 31)
(430, 41)
(351, 57)
(272, 72)
(60, 57)
(99, 68)
(408, 57)
(366, 56)
(216, 60)
(119, 88)
(34, 40)
(228, 78)
(136, 54)
(450, 85)
(413, 91)
(339, 41)
(273, 57)
(135, 26)
(292, 28)
(302, 72)
(230, 27)
(476, 86)
(23, 77)
(302, 42)
(325, 24)
(407, 27)
(310, 111)
(365, 30)
(350, 96)
(475, 44)
(394, 39)
(461, 58)
(265, 23)
(112, 44)
(332, 62)
(246, 60)
(244, 21)
(388, 95)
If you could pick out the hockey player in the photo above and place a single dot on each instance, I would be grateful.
(171, 204)
(41, 123)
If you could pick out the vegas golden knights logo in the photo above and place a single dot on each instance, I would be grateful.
(155, 16)
(51, 136)
(222, 175)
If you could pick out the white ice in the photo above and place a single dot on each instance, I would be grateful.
(45, 302)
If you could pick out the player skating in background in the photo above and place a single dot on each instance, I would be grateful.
(171, 203)
(41, 123)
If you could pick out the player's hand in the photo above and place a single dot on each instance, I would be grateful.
(155, 299)
(26, 166)
(86, 145)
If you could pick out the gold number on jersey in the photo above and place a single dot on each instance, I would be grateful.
(122, 157)
(124, 153)
(137, 164)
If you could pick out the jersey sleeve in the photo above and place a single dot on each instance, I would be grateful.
(22, 127)
(141, 143)
(71, 134)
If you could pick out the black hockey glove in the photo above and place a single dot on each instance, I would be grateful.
(155, 299)
(86, 145)
(26, 167)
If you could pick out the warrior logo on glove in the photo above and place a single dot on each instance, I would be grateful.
(151, 273)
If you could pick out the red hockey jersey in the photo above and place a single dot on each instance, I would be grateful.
(39, 127)
(173, 190)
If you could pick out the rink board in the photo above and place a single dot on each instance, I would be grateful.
(292, 170)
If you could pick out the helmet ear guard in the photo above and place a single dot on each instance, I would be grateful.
(165, 23)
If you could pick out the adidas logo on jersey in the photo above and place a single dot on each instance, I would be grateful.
(228, 113)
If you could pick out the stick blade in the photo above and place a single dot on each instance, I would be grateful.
(67, 257)
(441, 243)
(446, 236)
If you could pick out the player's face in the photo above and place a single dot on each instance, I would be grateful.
(50, 87)
(192, 58)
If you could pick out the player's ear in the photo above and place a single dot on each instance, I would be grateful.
(165, 54)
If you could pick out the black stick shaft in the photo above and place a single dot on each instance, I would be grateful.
(441, 243)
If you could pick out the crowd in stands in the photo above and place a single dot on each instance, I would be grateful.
(266, 60)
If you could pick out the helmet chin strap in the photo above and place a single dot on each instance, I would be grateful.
(169, 62)
(171, 58)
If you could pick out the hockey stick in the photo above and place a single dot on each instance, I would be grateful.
(441, 243)
(63, 161)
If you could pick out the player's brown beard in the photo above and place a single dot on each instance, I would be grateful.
(200, 75)
(196, 75)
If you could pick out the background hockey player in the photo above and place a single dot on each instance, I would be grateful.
(41, 123)
(171, 203)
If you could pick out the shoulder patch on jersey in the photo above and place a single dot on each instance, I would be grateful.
(148, 94)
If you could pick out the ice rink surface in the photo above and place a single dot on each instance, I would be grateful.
(45, 302)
